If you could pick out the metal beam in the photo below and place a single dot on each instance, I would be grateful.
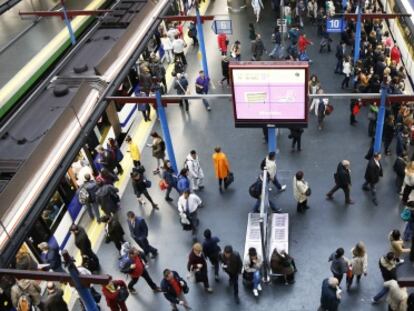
(86, 280)
(406, 282)
(8, 5)
(70, 13)
(354, 16)
(186, 18)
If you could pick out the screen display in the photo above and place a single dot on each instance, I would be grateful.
(270, 95)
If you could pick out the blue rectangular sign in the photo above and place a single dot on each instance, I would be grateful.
(335, 25)
(222, 26)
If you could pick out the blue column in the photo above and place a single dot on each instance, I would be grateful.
(84, 293)
(68, 24)
(272, 144)
(380, 120)
(201, 42)
(165, 131)
(357, 45)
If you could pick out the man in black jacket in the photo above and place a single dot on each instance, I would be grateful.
(232, 265)
(373, 173)
(174, 287)
(342, 181)
(388, 267)
(83, 243)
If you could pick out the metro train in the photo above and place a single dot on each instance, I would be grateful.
(402, 30)
(39, 201)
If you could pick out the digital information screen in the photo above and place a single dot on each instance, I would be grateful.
(272, 93)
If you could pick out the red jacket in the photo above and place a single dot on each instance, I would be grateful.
(303, 43)
(395, 54)
(139, 267)
(222, 42)
(112, 297)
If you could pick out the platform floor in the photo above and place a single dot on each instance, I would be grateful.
(27, 46)
(313, 236)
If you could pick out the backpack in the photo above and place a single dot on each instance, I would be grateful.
(124, 264)
(256, 189)
(182, 184)
(24, 303)
(84, 196)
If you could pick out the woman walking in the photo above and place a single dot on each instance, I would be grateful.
(170, 178)
(301, 191)
(347, 70)
(257, 6)
(221, 166)
(397, 245)
(116, 293)
(140, 185)
(358, 264)
(158, 150)
(197, 264)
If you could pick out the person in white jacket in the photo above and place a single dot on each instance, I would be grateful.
(188, 204)
(301, 191)
(397, 296)
(257, 6)
(196, 173)
(347, 70)
(270, 164)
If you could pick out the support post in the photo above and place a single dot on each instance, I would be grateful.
(357, 45)
(271, 136)
(84, 292)
(263, 218)
(380, 119)
(165, 130)
(68, 24)
(200, 34)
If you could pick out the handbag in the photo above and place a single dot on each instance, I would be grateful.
(329, 109)
(228, 180)
(163, 184)
(405, 214)
(308, 192)
(147, 183)
(191, 276)
(185, 219)
(123, 294)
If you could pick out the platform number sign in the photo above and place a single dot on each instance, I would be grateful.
(335, 25)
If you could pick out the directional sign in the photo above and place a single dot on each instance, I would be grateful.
(222, 26)
(335, 25)
(281, 22)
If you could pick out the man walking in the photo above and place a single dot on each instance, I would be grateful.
(269, 163)
(258, 48)
(83, 243)
(181, 87)
(87, 197)
(277, 40)
(373, 173)
(342, 181)
(232, 265)
(137, 270)
(196, 173)
(178, 46)
(388, 267)
(139, 232)
(201, 86)
(211, 250)
(188, 203)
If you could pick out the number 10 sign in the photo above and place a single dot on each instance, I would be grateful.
(335, 25)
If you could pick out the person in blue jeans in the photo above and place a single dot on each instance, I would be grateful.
(201, 85)
(388, 267)
(251, 270)
(258, 196)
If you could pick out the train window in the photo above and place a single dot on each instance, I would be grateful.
(102, 128)
(53, 212)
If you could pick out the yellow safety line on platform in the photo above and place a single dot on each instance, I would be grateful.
(140, 134)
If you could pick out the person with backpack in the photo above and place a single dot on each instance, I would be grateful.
(170, 177)
(87, 197)
(140, 185)
(139, 232)
(137, 270)
(301, 192)
(183, 182)
(83, 243)
(232, 265)
(212, 250)
(255, 191)
(54, 299)
(196, 174)
(269, 163)
(192, 33)
(174, 288)
(221, 167)
(114, 231)
(108, 198)
(115, 293)
(116, 154)
(158, 150)
(188, 204)
(26, 294)
(181, 87)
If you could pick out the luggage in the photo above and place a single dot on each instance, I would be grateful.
(228, 180)
(255, 189)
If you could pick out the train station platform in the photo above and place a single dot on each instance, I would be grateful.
(312, 236)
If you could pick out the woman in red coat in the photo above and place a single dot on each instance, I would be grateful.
(395, 54)
(303, 43)
(222, 43)
(111, 293)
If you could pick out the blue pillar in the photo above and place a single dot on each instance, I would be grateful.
(271, 133)
(165, 131)
(380, 120)
(201, 42)
(357, 45)
(84, 293)
(68, 24)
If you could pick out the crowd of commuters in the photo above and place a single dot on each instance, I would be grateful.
(379, 66)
